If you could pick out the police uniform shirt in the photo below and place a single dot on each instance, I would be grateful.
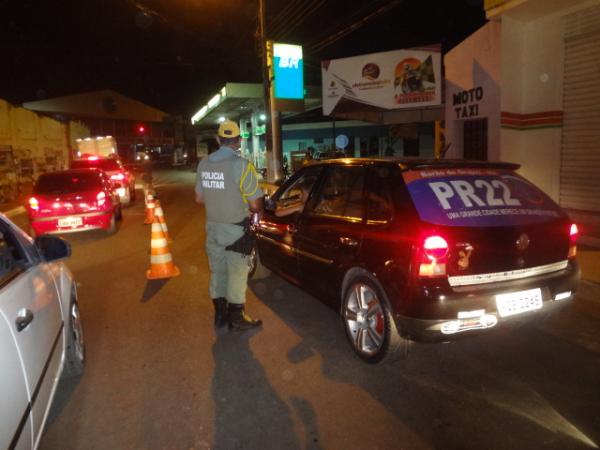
(227, 181)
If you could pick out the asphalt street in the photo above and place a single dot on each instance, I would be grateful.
(158, 377)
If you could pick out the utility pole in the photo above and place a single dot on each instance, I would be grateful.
(273, 148)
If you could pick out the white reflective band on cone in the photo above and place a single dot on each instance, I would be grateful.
(161, 259)
(156, 227)
(164, 226)
(158, 243)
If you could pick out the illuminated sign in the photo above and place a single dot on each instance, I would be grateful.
(288, 71)
(260, 129)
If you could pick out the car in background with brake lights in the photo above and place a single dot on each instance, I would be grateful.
(122, 179)
(73, 200)
(420, 250)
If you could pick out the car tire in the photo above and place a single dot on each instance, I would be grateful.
(256, 270)
(368, 322)
(119, 214)
(75, 354)
(112, 226)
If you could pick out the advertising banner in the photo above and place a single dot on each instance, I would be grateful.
(382, 81)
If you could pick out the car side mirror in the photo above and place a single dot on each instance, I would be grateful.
(53, 248)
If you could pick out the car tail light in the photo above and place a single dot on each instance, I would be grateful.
(573, 233)
(118, 176)
(93, 158)
(434, 257)
(34, 204)
(101, 198)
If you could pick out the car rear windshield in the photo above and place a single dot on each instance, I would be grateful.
(63, 183)
(478, 197)
(104, 164)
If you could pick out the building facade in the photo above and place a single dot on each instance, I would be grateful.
(133, 124)
(31, 144)
(526, 88)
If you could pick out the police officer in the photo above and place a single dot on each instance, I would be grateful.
(227, 185)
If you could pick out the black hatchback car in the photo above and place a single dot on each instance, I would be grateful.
(424, 250)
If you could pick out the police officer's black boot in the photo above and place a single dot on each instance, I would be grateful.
(239, 320)
(221, 314)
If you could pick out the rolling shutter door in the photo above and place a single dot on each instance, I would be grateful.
(580, 153)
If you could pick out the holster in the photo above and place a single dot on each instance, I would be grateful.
(245, 243)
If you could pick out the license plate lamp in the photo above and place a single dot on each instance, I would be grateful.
(562, 296)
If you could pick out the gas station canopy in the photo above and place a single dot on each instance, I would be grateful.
(236, 100)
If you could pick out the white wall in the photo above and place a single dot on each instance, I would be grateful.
(475, 63)
(532, 73)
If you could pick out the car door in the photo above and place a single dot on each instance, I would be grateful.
(29, 304)
(329, 232)
(278, 226)
(15, 425)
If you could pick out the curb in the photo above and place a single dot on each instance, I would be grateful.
(15, 211)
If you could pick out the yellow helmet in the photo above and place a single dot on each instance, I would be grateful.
(229, 129)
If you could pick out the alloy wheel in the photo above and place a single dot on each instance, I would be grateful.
(364, 317)
(77, 331)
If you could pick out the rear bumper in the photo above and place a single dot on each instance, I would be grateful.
(89, 221)
(445, 314)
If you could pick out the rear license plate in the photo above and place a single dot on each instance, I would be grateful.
(519, 302)
(70, 222)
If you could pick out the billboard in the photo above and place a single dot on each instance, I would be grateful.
(288, 71)
(382, 81)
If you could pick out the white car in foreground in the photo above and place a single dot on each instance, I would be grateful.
(41, 334)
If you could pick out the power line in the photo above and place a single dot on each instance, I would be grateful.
(304, 14)
(289, 11)
(354, 26)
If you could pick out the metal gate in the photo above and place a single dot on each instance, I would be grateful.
(580, 152)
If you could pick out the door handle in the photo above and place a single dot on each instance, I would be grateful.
(24, 318)
(348, 241)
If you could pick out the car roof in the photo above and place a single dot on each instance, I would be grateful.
(74, 171)
(424, 163)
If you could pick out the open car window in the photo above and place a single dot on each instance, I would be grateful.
(342, 193)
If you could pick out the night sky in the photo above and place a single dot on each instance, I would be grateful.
(174, 54)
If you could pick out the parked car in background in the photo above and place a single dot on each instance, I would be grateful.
(73, 200)
(424, 250)
(122, 179)
(41, 332)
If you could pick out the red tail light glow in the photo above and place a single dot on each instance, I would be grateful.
(573, 233)
(118, 176)
(34, 204)
(435, 247)
(435, 255)
(93, 158)
(101, 198)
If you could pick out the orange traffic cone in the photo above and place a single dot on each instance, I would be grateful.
(160, 215)
(149, 210)
(161, 260)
